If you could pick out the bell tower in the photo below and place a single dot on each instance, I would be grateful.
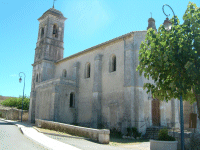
(49, 49)
(50, 36)
(49, 46)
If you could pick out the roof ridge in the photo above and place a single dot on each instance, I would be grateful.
(98, 45)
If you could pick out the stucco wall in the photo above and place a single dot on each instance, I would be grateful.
(113, 90)
(113, 85)
(63, 111)
(112, 82)
(44, 99)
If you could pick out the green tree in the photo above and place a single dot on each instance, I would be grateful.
(172, 59)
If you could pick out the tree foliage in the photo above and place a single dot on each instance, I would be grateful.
(172, 58)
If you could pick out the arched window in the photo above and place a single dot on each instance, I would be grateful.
(42, 32)
(64, 74)
(55, 31)
(113, 63)
(72, 100)
(87, 71)
(37, 78)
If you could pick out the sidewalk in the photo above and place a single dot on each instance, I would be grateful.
(52, 140)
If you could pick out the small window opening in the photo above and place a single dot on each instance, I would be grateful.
(88, 70)
(42, 32)
(113, 68)
(37, 78)
(72, 100)
(64, 73)
(55, 31)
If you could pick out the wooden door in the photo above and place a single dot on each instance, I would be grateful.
(155, 112)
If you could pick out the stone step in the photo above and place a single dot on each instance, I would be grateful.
(152, 132)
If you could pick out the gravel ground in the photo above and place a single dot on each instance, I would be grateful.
(87, 144)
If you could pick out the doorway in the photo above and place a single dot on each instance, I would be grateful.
(155, 112)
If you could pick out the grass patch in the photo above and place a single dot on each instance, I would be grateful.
(50, 131)
(115, 141)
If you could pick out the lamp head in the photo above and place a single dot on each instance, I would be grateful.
(167, 24)
(20, 80)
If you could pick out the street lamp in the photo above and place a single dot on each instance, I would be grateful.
(167, 24)
(20, 80)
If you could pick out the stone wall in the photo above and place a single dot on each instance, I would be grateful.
(14, 114)
(100, 98)
(109, 98)
(100, 135)
(52, 100)
(191, 140)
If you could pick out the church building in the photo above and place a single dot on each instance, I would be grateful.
(98, 87)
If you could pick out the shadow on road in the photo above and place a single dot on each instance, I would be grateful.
(4, 123)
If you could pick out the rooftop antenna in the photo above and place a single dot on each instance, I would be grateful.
(53, 3)
(151, 14)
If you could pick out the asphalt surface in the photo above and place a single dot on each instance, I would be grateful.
(11, 138)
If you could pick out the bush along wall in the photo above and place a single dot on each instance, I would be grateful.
(133, 132)
(163, 136)
(17, 102)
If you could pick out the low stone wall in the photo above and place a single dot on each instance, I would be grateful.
(163, 145)
(14, 114)
(100, 135)
(191, 140)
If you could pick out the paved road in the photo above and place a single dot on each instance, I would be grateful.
(11, 138)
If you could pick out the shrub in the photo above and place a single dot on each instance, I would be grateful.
(115, 133)
(136, 133)
(129, 132)
(133, 132)
(163, 136)
(17, 102)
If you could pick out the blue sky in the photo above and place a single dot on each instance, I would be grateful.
(90, 22)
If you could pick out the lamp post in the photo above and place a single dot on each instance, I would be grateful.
(20, 80)
(167, 24)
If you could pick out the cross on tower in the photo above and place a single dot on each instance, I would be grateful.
(53, 3)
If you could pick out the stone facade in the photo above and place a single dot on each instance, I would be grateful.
(98, 87)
